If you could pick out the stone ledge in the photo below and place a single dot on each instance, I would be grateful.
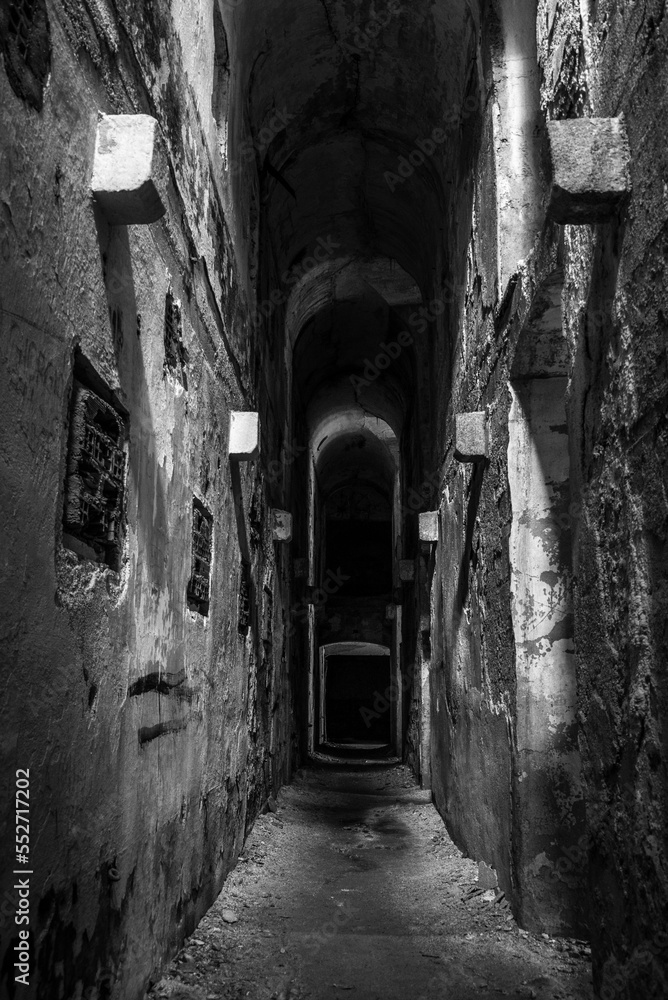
(429, 526)
(130, 170)
(471, 436)
(590, 170)
(244, 436)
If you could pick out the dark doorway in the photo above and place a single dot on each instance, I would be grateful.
(359, 540)
(363, 551)
(353, 684)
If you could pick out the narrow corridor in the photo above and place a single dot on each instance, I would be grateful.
(334, 476)
(353, 888)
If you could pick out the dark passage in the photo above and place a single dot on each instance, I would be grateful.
(363, 550)
(352, 684)
(333, 382)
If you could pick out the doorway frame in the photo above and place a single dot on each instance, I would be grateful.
(350, 648)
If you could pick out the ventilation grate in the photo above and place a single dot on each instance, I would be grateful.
(198, 585)
(176, 356)
(95, 481)
(25, 42)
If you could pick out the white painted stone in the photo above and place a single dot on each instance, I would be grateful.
(590, 162)
(429, 526)
(244, 436)
(281, 525)
(130, 170)
(471, 436)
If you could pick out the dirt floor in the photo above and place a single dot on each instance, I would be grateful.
(353, 888)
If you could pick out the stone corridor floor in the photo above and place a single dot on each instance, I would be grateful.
(353, 889)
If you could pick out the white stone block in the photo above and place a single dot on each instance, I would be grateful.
(429, 526)
(244, 436)
(130, 171)
(590, 169)
(471, 436)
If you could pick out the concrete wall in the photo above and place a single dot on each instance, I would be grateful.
(152, 733)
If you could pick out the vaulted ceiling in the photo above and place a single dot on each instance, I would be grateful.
(342, 98)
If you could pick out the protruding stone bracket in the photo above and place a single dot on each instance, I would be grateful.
(590, 170)
(429, 526)
(472, 436)
(244, 436)
(406, 570)
(130, 171)
(281, 525)
(243, 446)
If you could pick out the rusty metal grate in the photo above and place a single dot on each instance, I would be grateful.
(176, 356)
(198, 585)
(95, 479)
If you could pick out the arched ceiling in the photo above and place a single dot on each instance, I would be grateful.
(334, 92)
(334, 278)
(354, 422)
(342, 98)
(347, 325)
(356, 454)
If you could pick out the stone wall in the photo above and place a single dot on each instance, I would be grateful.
(614, 313)
(155, 719)
(575, 828)
(152, 728)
